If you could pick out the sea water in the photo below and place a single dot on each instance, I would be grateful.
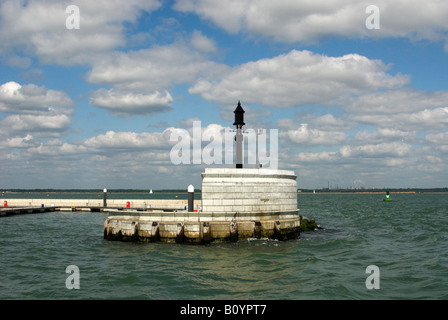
(406, 239)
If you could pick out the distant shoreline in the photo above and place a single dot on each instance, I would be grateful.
(370, 192)
(91, 191)
(375, 191)
(177, 191)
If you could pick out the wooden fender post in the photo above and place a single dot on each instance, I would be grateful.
(155, 231)
(206, 232)
(257, 229)
(233, 231)
(106, 229)
(180, 233)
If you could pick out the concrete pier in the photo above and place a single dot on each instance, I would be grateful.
(236, 204)
(97, 204)
(168, 221)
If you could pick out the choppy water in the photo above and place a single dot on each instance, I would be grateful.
(406, 239)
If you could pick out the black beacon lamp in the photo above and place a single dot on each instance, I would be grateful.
(239, 123)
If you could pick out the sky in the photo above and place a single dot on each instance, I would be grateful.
(92, 91)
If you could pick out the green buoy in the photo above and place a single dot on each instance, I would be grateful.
(387, 196)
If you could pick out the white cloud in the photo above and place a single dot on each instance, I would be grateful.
(129, 103)
(123, 141)
(396, 101)
(384, 134)
(226, 14)
(436, 118)
(116, 149)
(41, 125)
(329, 122)
(402, 124)
(292, 21)
(439, 141)
(156, 68)
(318, 157)
(309, 21)
(309, 136)
(202, 43)
(386, 149)
(17, 142)
(39, 28)
(15, 98)
(56, 148)
(34, 110)
(298, 78)
(15, 61)
(437, 138)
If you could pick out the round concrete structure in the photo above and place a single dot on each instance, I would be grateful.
(236, 204)
(248, 190)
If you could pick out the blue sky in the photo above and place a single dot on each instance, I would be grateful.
(94, 107)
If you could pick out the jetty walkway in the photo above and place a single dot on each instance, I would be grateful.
(9, 211)
(33, 206)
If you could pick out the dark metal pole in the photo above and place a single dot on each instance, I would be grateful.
(104, 197)
(190, 198)
(239, 147)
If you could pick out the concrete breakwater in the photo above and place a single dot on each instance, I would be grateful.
(168, 220)
(236, 204)
(200, 227)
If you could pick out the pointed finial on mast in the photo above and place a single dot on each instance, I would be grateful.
(239, 116)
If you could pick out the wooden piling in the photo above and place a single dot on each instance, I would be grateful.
(233, 231)
(134, 232)
(206, 236)
(180, 232)
(277, 232)
(257, 229)
(155, 235)
(106, 229)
